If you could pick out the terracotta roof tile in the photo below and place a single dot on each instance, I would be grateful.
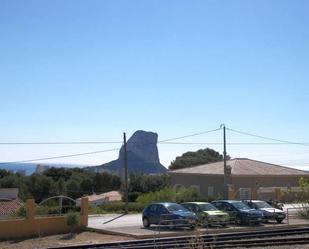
(242, 166)
(8, 207)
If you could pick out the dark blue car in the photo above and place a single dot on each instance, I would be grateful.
(169, 214)
(239, 212)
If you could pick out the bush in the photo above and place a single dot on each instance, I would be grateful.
(72, 220)
(52, 210)
(20, 213)
(132, 196)
(170, 195)
(117, 207)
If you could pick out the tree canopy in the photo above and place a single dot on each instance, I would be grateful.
(72, 182)
(195, 158)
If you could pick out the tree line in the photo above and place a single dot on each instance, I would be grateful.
(72, 182)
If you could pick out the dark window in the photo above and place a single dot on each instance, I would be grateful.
(189, 207)
(218, 205)
(161, 210)
(195, 208)
(153, 208)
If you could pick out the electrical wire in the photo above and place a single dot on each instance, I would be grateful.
(205, 143)
(267, 138)
(191, 135)
(64, 156)
(94, 152)
(165, 141)
(57, 143)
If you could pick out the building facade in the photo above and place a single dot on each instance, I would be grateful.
(247, 179)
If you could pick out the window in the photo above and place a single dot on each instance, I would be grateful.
(153, 208)
(210, 191)
(161, 209)
(244, 193)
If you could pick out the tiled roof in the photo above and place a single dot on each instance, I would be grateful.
(8, 207)
(241, 166)
(113, 196)
(108, 196)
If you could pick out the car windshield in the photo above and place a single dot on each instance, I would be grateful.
(207, 207)
(240, 205)
(262, 204)
(175, 207)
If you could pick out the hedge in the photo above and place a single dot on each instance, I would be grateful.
(117, 207)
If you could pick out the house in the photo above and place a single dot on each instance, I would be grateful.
(246, 179)
(95, 200)
(9, 202)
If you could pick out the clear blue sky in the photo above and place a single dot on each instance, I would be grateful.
(89, 70)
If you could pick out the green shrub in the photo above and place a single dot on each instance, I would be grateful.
(132, 196)
(20, 213)
(51, 210)
(117, 207)
(170, 195)
(72, 220)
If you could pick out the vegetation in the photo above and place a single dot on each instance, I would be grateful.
(140, 184)
(72, 182)
(303, 198)
(170, 195)
(195, 158)
(117, 207)
(73, 220)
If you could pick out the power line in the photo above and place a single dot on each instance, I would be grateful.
(58, 157)
(165, 141)
(92, 152)
(58, 143)
(97, 142)
(267, 138)
(240, 143)
(191, 135)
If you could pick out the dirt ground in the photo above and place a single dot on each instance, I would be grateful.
(61, 240)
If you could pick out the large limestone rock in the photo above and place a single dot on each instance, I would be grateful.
(143, 156)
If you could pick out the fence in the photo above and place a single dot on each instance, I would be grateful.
(32, 226)
(290, 217)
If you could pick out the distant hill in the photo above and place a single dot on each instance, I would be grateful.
(30, 167)
(143, 156)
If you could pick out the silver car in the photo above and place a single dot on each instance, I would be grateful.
(269, 212)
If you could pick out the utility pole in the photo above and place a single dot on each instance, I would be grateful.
(125, 173)
(225, 189)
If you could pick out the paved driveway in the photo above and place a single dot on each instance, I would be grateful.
(115, 221)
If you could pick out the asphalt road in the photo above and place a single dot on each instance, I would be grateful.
(108, 221)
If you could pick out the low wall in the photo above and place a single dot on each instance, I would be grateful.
(33, 226)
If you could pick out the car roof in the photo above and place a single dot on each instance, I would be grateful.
(228, 201)
(254, 201)
(164, 203)
(195, 202)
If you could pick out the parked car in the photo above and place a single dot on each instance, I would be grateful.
(240, 212)
(169, 214)
(275, 204)
(207, 213)
(269, 212)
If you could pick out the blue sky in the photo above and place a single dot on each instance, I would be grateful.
(90, 70)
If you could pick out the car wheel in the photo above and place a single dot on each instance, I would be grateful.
(279, 220)
(146, 222)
